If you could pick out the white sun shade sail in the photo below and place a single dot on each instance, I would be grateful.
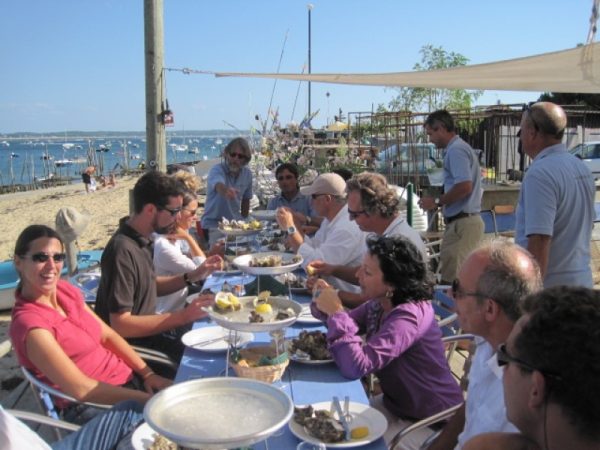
(576, 70)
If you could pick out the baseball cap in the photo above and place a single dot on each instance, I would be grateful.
(327, 183)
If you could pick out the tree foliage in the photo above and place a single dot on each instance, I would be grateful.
(425, 99)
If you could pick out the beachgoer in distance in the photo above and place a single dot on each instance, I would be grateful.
(461, 200)
(229, 188)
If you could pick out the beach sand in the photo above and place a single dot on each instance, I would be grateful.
(105, 207)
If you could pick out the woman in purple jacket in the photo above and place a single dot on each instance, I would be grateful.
(393, 335)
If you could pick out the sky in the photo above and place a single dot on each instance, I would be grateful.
(79, 64)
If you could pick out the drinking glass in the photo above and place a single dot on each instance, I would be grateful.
(310, 446)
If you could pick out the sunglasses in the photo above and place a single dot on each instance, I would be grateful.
(354, 214)
(173, 211)
(527, 108)
(237, 155)
(458, 293)
(44, 257)
(315, 196)
(503, 358)
(285, 177)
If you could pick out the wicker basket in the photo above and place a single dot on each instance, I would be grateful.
(268, 374)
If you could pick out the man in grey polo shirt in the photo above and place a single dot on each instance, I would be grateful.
(555, 213)
(461, 200)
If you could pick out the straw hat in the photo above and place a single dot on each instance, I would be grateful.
(70, 223)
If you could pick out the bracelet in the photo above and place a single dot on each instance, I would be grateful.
(148, 375)
(186, 278)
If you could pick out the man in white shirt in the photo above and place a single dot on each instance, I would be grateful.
(375, 208)
(338, 241)
(491, 284)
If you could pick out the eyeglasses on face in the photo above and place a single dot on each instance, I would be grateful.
(315, 196)
(503, 358)
(354, 214)
(42, 257)
(457, 292)
(285, 177)
(237, 155)
(173, 211)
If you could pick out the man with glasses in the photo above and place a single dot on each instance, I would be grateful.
(128, 288)
(229, 188)
(461, 200)
(375, 208)
(555, 213)
(551, 364)
(338, 241)
(490, 286)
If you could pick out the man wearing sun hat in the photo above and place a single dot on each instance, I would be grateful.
(338, 240)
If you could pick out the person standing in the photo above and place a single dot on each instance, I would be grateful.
(229, 188)
(555, 213)
(461, 200)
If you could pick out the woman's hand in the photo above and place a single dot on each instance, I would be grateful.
(155, 383)
(328, 301)
(212, 263)
(179, 234)
(319, 268)
(218, 248)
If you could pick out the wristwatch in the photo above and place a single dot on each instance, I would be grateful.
(187, 280)
(291, 230)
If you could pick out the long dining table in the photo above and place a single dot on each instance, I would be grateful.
(304, 383)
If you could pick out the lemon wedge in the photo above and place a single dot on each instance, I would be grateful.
(264, 308)
(310, 270)
(359, 432)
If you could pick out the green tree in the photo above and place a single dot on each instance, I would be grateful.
(425, 99)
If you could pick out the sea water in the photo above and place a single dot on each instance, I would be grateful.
(25, 160)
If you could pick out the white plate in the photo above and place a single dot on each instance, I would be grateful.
(264, 214)
(307, 317)
(195, 338)
(143, 437)
(240, 232)
(363, 416)
(243, 262)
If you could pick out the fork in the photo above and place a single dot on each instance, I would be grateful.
(347, 414)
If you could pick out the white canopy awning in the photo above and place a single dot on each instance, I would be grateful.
(576, 70)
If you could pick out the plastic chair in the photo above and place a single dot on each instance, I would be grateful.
(504, 220)
(442, 415)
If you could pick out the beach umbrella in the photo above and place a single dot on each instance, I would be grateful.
(70, 223)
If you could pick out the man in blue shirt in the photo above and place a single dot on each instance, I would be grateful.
(229, 188)
(461, 200)
(290, 197)
(555, 213)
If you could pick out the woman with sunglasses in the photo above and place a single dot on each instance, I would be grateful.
(179, 252)
(229, 188)
(60, 340)
(394, 335)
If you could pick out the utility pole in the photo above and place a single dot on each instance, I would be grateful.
(310, 6)
(156, 143)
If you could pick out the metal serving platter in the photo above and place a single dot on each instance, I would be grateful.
(217, 413)
(238, 320)
(243, 262)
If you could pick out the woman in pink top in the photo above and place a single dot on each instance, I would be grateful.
(60, 340)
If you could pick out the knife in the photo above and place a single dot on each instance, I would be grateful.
(342, 417)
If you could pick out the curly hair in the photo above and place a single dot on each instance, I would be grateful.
(189, 180)
(562, 337)
(375, 195)
(155, 187)
(510, 275)
(241, 144)
(403, 268)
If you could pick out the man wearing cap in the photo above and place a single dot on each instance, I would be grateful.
(555, 213)
(461, 200)
(338, 241)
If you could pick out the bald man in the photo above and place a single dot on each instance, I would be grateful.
(555, 213)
